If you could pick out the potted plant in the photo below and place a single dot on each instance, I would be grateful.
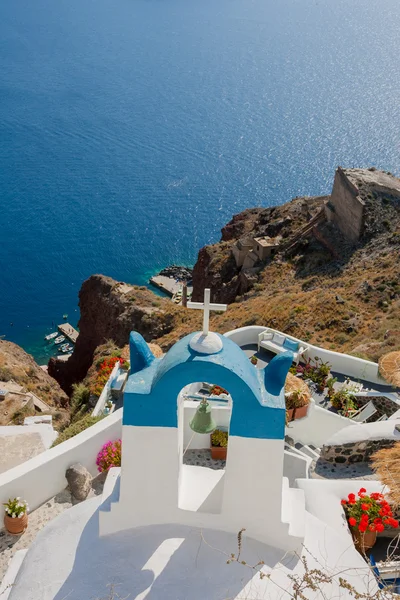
(217, 390)
(330, 382)
(338, 399)
(219, 443)
(253, 359)
(297, 403)
(367, 515)
(16, 515)
(108, 407)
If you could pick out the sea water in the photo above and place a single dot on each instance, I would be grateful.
(132, 130)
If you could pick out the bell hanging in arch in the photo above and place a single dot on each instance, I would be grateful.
(202, 421)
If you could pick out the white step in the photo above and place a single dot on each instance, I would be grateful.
(293, 509)
(11, 573)
(297, 451)
(309, 450)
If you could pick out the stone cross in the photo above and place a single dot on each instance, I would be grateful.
(206, 306)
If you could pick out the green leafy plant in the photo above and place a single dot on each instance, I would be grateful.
(316, 370)
(75, 428)
(219, 438)
(349, 407)
(344, 401)
(296, 399)
(330, 382)
(16, 508)
(253, 360)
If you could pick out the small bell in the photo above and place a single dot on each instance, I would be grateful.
(202, 421)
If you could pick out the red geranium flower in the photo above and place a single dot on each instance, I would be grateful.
(364, 506)
(352, 521)
(343, 502)
(361, 492)
(379, 527)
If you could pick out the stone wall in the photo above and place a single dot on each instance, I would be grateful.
(345, 207)
(354, 452)
(383, 405)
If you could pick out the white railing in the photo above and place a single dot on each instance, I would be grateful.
(43, 476)
(356, 368)
(106, 393)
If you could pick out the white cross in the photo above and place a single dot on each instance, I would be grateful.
(206, 306)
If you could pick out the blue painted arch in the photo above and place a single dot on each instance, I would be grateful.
(150, 397)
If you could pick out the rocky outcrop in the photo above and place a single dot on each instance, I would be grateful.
(17, 365)
(111, 310)
(216, 267)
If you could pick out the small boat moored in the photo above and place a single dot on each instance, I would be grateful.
(60, 339)
(51, 336)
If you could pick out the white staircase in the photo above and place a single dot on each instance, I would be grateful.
(304, 450)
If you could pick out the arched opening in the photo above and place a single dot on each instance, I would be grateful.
(202, 468)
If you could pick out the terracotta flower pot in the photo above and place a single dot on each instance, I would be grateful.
(218, 452)
(290, 414)
(17, 525)
(363, 541)
(300, 413)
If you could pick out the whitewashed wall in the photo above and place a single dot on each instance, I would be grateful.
(106, 393)
(245, 335)
(43, 476)
(354, 367)
(295, 467)
(318, 426)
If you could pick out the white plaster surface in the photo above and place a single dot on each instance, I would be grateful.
(318, 426)
(8, 580)
(173, 562)
(354, 367)
(43, 476)
(206, 344)
(252, 488)
(165, 562)
(366, 432)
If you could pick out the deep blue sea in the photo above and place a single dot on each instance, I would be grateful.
(132, 130)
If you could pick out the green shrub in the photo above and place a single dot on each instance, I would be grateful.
(19, 416)
(79, 399)
(75, 428)
(6, 374)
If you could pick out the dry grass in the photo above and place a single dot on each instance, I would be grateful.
(367, 324)
(386, 463)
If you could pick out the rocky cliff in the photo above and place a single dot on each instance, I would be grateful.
(16, 364)
(318, 286)
(216, 267)
(111, 310)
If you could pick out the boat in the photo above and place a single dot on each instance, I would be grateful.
(60, 339)
(51, 336)
(66, 347)
(65, 316)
